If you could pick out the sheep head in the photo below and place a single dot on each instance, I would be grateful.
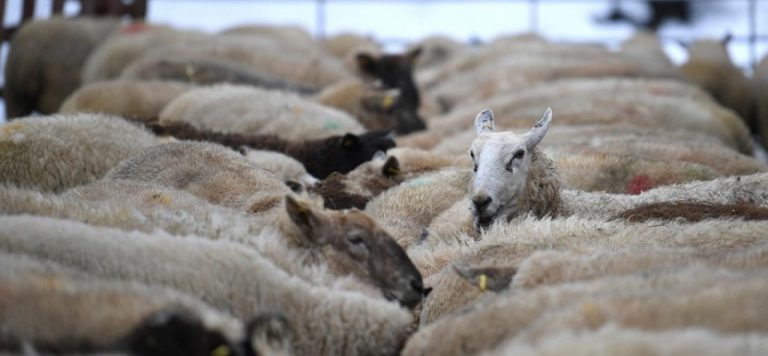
(502, 163)
(390, 109)
(360, 247)
(390, 69)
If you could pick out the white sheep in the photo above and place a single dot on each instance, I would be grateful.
(136, 100)
(247, 110)
(53, 153)
(224, 275)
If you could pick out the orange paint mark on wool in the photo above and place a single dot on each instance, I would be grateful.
(639, 184)
(136, 27)
(11, 128)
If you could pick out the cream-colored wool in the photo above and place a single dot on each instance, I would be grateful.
(209, 171)
(53, 153)
(498, 317)
(136, 100)
(404, 211)
(614, 340)
(286, 168)
(46, 304)
(248, 110)
(225, 275)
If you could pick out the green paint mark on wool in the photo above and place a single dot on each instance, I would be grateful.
(418, 181)
(331, 125)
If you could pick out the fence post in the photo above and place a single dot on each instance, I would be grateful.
(753, 33)
(320, 19)
(533, 16)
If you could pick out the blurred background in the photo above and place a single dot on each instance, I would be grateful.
(396, 23)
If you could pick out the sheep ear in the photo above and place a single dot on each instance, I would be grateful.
(391, 167)
(484, 122)
(350, 141)
(295, 186)
(366, 63)
(533, 137)
(269, 330)
(413, 54)
(310, 222)
(495, 278)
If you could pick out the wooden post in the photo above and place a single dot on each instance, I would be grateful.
(57, 7)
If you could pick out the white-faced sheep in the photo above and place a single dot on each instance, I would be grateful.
(135, 100)
(710, 66)
(48, 308)
(56, 152)
(45, 62)
(246, 110)
(498, 317)
(225, 275)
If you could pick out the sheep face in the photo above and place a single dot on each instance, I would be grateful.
(389, 110)
(349, 151)
(501, 163)
(362, 248)
(392, 70)
(178, 332)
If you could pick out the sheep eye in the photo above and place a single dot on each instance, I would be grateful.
(472, 154)
(475, 169)
(355, 240)
(519, 154)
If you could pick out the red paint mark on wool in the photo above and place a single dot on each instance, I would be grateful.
(639, 184)
(136, 27)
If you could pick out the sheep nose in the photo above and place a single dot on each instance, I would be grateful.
(481, 201)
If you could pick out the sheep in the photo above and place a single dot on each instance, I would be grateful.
(52, 309)
(135, 100)
(380, 110)
(385, 171)
(45, 61)
(552, 267)
(341, 45)
(53, 153)
(612, 340)
(246, 110)
(495, 196)
(728, 307)
(498, 317)
(138, 206)
(238, 280)
(110, 59)
(306, 66)
(710, 67)
(405, 210)
(320, 157)
(212, 172)
(293, 36)
(578, 233)
(286, 168)
(692, 211)
(645, 47)
(206, 72)
(529, 251)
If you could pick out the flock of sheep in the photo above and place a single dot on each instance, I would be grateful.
(260, 192)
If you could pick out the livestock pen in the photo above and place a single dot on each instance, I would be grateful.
(337, 177)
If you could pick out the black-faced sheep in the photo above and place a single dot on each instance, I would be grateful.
(53, 153)
(45, 62)
(51, 308)
(320, 157)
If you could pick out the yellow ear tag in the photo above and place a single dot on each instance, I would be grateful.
(388, 101)
(392, 171)
(222, 350)
(483, 282)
